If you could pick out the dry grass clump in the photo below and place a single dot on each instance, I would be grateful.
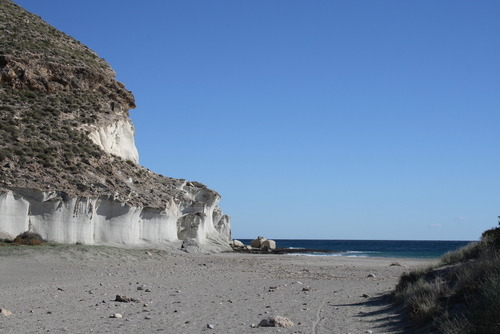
(459, 295)
(470, 251)
(422, 299)
(29, 238)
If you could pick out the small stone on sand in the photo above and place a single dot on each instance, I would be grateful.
(277, 321)
(5, 312)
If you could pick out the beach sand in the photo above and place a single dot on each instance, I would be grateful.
(72, 289)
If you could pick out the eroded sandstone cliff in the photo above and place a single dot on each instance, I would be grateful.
(69, 165)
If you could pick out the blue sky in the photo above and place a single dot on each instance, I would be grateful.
(313, 119)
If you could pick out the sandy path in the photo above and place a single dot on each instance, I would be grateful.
(71, 289)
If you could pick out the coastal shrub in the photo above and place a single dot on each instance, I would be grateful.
(486, 317)
(492, 237)
(29, 94)
(421, 298)
(458, 324)
(28, 238)
(408, 278)
(6, 108)
(459, 295)
(468, 252)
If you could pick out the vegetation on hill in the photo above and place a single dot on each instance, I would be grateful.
(23, 32)
(53, 92)
(460, 295)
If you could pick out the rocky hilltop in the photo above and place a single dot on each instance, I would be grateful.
(68, 163)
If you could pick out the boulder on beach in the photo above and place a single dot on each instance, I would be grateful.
(263, 244)
(268, 244)
(257, 243)
(237, 243)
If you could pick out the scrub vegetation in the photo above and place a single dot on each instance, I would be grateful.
(55, 92)
(460, 295)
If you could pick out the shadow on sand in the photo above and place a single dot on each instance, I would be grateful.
(385, 316)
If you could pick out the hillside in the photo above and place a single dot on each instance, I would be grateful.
(64, 126)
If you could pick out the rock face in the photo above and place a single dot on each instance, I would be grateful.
(69, 165)
(116, 138)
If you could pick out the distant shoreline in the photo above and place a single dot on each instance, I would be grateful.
(281, 251)
(426, 249)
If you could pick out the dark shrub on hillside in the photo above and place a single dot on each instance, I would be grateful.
(492, 237)
(29, 238)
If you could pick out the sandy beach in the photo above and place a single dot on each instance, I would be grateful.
(73, 289)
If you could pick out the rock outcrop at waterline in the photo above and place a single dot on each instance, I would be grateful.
(68, 163)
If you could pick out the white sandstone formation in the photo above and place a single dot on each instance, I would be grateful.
(237, 243)
(116, 138)
(104, 221)
(257, 243)
(268, 244)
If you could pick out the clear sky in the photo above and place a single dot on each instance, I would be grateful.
(313, 119)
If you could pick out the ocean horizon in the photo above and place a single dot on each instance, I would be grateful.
(424, 249)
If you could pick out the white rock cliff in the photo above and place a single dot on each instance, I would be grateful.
(116, 138)
(103, 221)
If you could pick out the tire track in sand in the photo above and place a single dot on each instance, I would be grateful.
(318, 317)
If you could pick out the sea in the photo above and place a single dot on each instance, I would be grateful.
(369, 248)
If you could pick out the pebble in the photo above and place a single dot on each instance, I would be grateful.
(277, 321)
(125, 299)
(5, 312)
(210, 326)
(116, 315)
